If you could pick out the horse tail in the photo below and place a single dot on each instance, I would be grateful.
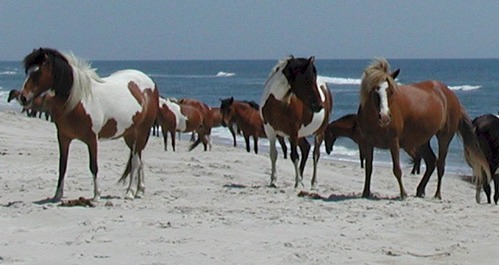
(127, 170)
(473, 154)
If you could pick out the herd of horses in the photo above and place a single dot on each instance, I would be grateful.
(295, 106)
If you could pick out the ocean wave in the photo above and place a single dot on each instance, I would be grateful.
(340, 80)
(9, 72)
(464, 88)
(225, 74)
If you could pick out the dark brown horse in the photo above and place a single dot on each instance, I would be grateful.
(87, 107)
(347, 126)
(175, 117)
(295, 105)
(208, 121)
(246, 116)
(487, 132)
(393, 116)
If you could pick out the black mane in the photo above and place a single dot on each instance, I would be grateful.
(62, 73)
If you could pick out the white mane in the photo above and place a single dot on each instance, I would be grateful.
(276, 83)
(83, 74)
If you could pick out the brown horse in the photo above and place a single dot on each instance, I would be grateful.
(487, 132)
(208, 121)
(246, 116)
(393, 116)
(347, 126)
(175, 117)
(38, 107)
(295, 105)
(87, 107)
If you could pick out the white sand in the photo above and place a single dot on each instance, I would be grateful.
(215, 208)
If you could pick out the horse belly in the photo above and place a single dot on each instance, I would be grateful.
(312, 127)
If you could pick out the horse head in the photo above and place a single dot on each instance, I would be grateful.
(46, 69)
(377, 86)
(301, 75)
(226, 109)
(329, 139)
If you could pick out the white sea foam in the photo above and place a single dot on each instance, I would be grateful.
(9, 72)
(225, 74)
(464, 88)
(340, 80)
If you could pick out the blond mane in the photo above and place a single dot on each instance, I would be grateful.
(377, 72)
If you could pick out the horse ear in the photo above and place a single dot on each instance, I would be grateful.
(231, 99)
(395, 73)
(311, 59)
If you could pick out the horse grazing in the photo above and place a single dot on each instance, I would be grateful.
(39, 105)
(174, 117)
(246, 116)
(208, 121)
(295, 105)
(393, 116)
(87, 107)
(347, 126)
(487, 132)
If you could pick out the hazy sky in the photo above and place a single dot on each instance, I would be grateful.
(237, 29)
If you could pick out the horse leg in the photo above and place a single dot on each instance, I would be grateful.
(305, 150)
(317, 155)
(283, 146)
(361, 157)
(486, 189)
(135, 163)
(92, 152)
(273, 158)
(172, 134)
(426, 152)
(255, 143)
(295, 159)
(368, 170)
(64, 143)
(231, 129)
(246, 140)
(443, 147)
(496, 188)
(140, 177)
(397, 171)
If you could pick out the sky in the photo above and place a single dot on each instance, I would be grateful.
(258, 29)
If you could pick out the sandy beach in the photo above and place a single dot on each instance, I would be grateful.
(215, 208)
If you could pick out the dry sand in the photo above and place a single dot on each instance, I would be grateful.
(215, 208)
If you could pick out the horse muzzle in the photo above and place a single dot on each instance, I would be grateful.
(384, 119)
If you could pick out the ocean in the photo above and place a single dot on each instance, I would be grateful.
(475, 81)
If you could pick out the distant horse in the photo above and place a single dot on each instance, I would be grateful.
(347, 126)
(39, 105)
(487, 132)
(295, 105)
(87, 107)
(175, 117)
(393, 116)
(208, 121)
(246, 116)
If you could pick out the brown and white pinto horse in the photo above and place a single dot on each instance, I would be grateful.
(393, 116)
(87, 107)
(295, 105)
(174, 117)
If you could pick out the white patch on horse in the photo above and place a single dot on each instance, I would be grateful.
(111, 99)
(383, 95)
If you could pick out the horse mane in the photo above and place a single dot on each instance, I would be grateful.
(252, 104)
(375, 73)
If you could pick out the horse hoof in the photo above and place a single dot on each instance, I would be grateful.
(366, 195)
(129, 195)
(272, 185)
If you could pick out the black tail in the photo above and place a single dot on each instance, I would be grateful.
(473, 154)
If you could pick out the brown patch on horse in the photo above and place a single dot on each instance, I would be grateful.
(281, 113)
(109, 129)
